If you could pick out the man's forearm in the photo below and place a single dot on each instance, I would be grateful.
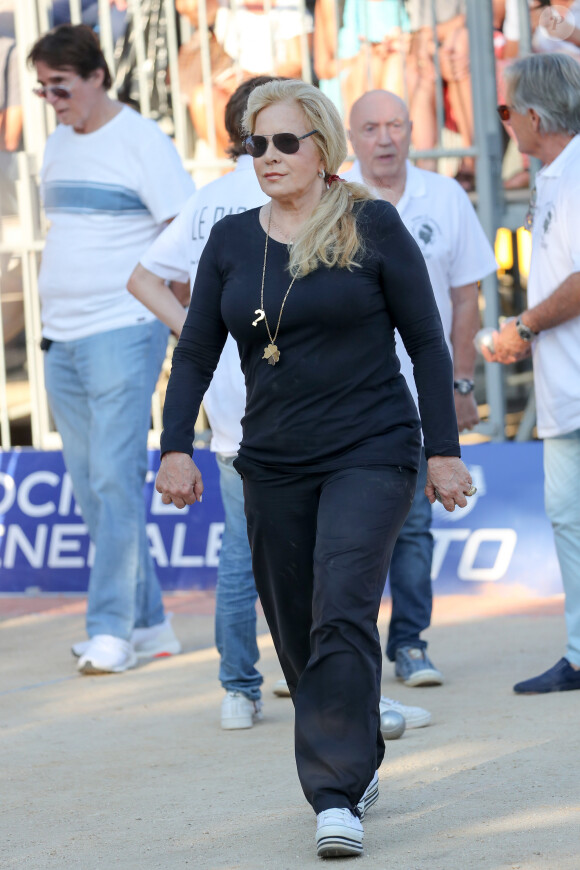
(464, 326)
(155, 295)
(562, 305)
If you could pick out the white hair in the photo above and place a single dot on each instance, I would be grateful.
(549, 84)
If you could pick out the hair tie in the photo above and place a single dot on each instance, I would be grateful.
(332, 178)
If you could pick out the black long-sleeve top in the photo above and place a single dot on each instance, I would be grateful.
(336, 397)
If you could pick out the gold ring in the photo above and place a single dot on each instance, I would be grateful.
(471, 491)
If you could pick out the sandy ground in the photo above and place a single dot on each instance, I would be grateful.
(133, 771)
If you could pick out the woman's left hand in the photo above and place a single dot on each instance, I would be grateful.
(449, 478)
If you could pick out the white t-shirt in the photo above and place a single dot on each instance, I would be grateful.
(440, 217)
(555, 256)
(106, 195)
(256, 40)
(174, 256)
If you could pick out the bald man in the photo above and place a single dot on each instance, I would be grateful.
(439, 215)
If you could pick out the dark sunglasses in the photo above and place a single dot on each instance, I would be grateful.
(504, 112)
(57, 91)
(287, 143)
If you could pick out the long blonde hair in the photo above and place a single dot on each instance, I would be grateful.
(330, 236)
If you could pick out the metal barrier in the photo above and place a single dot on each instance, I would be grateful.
(154, 65)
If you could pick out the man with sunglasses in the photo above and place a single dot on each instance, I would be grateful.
(543, 110)
(110, 180)
(439, 215)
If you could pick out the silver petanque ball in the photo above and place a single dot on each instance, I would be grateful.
(392, 725)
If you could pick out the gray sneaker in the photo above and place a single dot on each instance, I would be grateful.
(414, 668)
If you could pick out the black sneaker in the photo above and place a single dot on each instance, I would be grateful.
(561, 678)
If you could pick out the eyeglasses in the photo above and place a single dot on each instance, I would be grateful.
(287, 143)
(529, 219)
(504, 112)
(57, 91)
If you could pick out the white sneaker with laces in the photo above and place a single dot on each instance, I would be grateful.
(239, 712)
(106, 654)
(370, 796)
(281, 688)
(339, 833)
(415, 717)
(154, 642)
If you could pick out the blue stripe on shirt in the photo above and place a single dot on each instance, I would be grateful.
(91, 197)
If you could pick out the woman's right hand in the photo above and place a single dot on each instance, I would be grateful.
(179, 480)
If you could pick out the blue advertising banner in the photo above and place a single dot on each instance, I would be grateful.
(503, 535)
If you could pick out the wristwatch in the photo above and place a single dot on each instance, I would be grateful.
(463, 386)
(524, 332)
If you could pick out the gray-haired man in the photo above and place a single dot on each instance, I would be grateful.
(543, 110)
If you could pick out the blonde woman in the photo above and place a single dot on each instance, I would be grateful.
(311, 286)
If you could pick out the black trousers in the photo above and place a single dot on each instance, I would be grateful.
(321, 545)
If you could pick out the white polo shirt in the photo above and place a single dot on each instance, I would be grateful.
(555, 256)
(175, 255)
(440, 217)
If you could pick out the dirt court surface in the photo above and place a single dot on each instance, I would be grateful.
(132, 770)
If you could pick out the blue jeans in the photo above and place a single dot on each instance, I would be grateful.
(235, 615)
(410, 573)
(561, 489)
(99, 390)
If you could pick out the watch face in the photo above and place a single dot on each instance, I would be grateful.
(463, 387)
(524, 331)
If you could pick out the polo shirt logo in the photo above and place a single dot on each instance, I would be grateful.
(548, 217)
(426, 233)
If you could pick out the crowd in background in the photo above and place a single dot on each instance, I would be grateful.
(347, 47)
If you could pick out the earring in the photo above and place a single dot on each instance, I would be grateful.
(321, 173)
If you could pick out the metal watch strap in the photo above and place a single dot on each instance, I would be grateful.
(524, 332)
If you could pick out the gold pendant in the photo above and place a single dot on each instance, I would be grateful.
(272, 354)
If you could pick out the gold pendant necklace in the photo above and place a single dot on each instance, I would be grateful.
(271, 352)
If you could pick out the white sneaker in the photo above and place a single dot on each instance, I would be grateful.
(157, 641)
(338, 833)
(154, 642)
(239, 712)
(370, 796)
(281, 688)
(106, 654)
(415, 717)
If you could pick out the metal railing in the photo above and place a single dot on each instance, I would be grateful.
(27, 229)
